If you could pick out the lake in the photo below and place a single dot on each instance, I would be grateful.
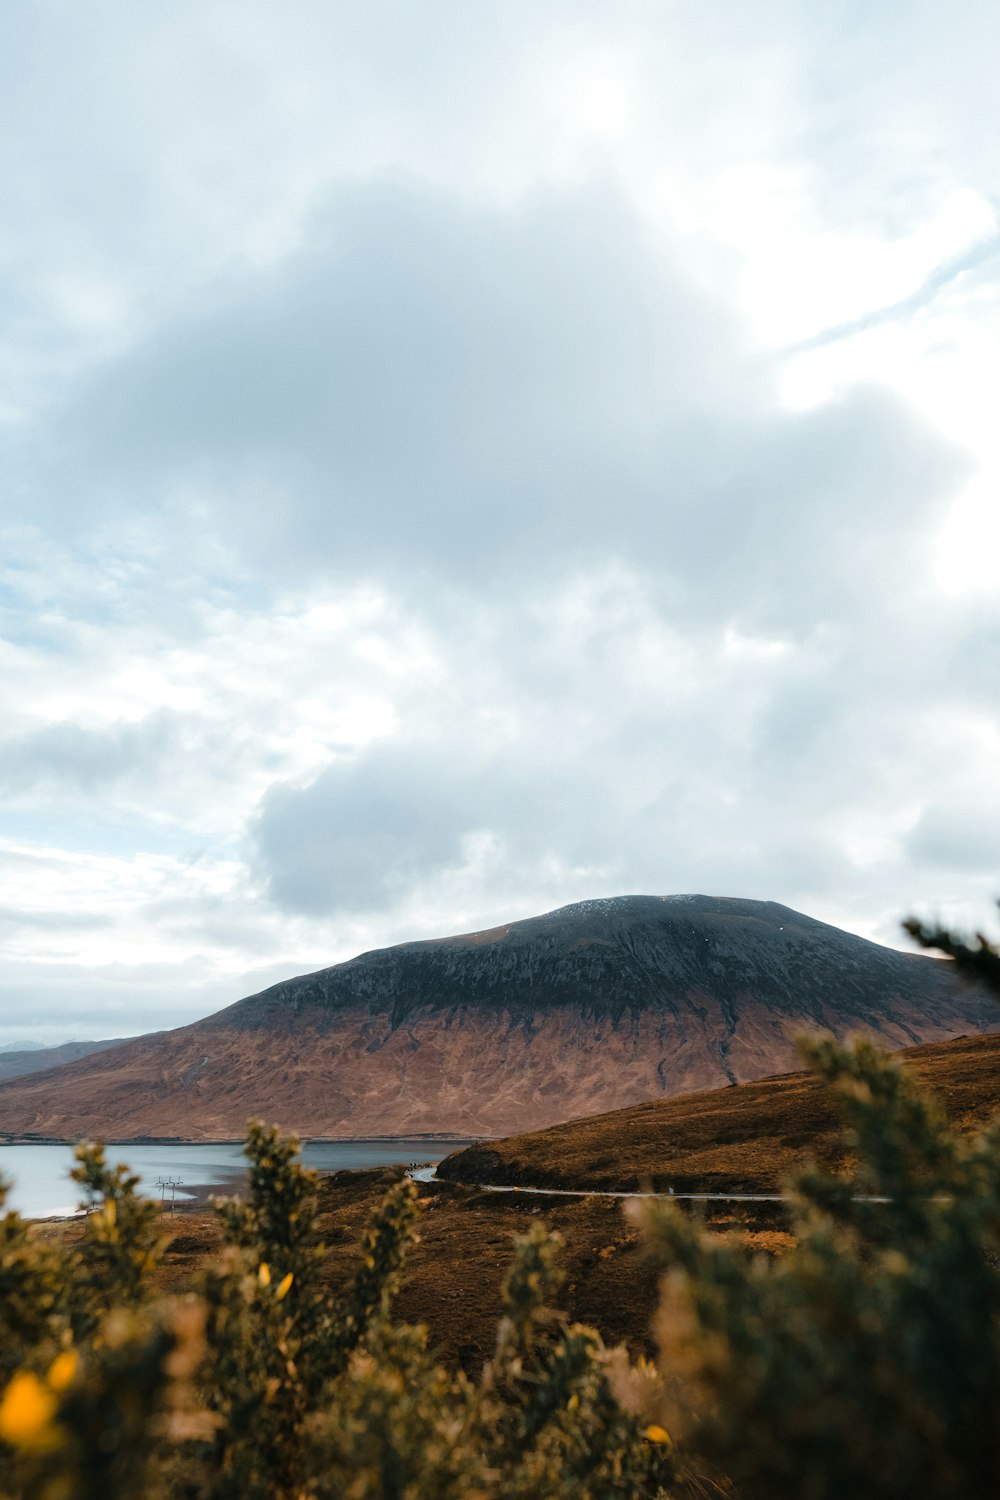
(42, 1188)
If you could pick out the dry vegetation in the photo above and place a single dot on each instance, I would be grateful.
(865, 1361)
(747, 1138)
(453, 1275)
(286, 1373)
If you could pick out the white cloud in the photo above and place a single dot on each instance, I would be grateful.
(464, 461)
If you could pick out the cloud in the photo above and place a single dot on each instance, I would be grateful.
(69, 755)
(962, 836)
(431, 391)
(622, 759)
(414, 515)
(414, 381)
(360, 835)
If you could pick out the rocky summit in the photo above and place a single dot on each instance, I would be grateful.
(593, 1007)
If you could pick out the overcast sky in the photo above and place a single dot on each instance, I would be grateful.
(462, 458)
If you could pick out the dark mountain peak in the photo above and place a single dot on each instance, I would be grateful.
(612, 918)
(610, 915)
(611, 955)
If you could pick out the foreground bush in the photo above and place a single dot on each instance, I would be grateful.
(263, 1387)
(867, 1362)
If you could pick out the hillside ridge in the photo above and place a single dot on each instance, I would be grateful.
(15, 1062)
(604, 954)
(726, 1140)
(593, 1006)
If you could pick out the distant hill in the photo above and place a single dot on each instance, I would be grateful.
(602, 1004)
(32, 1057)
(23, 1047)
(726, 1140)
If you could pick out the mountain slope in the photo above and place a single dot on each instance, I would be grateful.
(16, 1062)
(598, 1005)
(723, 1140)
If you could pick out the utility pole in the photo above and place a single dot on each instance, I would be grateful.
(173, 1183)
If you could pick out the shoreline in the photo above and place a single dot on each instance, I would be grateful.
(182, 1140)
(197, 1197)
(207, 1176)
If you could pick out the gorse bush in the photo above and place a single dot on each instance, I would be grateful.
(865, 1364)
(88, 1358)
(264, 1385)
(862, 1365)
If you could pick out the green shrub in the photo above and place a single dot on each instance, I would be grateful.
(31, 1293)
(266, 1388)
(89, 1361)
(865, 1364)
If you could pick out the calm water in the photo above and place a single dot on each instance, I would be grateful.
(42, 1186)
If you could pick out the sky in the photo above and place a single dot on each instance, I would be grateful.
(460, 459)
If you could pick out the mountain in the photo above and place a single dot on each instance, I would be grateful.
(599, 1005)
(32, 1057)
(725, 1140)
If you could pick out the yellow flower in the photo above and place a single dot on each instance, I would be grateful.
(264, 1274)
(284, 1285)
(26, 1412)
(62, 1370)
(657, 1434)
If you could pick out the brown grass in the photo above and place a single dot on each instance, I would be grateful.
(748, 1136)
(454, 1274)
(744, 1138)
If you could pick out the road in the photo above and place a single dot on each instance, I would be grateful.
(429, 1174)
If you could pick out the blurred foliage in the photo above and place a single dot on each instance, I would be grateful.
(977, 959)
(264, 1385)
(867, 1362)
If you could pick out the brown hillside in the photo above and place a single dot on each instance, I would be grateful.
(597, 1006)
(16, 1064)
(452, 1277)
(728, 1140)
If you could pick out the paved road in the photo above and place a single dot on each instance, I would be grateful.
(429, 1174)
